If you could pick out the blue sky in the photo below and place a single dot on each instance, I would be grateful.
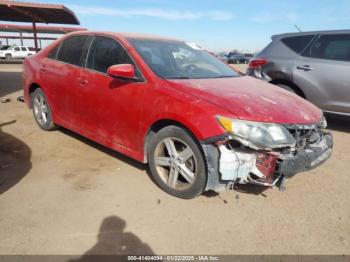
(215, 24)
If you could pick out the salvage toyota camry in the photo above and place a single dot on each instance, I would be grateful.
(198, 123)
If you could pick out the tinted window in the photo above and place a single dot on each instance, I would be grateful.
(297, 43)
(53, 53)
(71, 50)
(333, 47)
(23, 49)
(106, 52)
(17, 49)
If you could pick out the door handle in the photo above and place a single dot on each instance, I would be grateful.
(82, 81)
(305, 68)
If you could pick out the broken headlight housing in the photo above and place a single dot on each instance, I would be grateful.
(258, 135)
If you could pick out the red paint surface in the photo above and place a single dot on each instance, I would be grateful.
(119, 114)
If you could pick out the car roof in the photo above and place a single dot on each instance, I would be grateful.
(281, 36)
(125, 35)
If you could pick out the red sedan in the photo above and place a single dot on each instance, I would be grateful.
(198, 124)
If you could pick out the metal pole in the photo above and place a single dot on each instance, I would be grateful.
(40, 44)
(21, 37)
(7, 41)
(35, 37)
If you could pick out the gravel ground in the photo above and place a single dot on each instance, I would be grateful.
(63, 194)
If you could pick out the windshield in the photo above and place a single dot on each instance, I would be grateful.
(180, 60)
(4, 47)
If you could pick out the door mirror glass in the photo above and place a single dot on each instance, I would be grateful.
(122, 71)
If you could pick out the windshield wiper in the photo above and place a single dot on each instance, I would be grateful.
(221, 76)
(179, 77)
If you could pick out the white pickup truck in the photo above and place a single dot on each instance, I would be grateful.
(15, 52)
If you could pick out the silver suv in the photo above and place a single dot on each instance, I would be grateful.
(314, 65)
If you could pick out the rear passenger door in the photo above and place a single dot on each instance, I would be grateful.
(323, 72)
(60, 72)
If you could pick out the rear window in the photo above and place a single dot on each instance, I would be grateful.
(298, 43)
(72, 49)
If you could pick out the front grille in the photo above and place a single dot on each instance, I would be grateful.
(305, 134)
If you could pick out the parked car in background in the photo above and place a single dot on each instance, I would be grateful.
(314, 65)
(237, 59)
(4, 47)
(222, 56)
(234, 52)
(33, 49)
(197, 123)
(248, 56)
(16, 52)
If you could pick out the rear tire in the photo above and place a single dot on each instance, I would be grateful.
(176, 162)
(42, 111)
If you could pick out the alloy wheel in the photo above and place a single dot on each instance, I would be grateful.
(175, 163)
(40, 109)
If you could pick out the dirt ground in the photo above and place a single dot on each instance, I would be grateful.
(62, 194)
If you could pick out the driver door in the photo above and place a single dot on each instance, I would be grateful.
(323, 72)
(109, 108)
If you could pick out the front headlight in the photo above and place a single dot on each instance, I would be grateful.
(261, 135)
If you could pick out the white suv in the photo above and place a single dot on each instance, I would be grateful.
(14, 52)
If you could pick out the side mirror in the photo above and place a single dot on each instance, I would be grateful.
(123, 72)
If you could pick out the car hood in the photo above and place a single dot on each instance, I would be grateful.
(251, 99)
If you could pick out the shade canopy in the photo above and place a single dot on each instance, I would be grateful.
(35, 12)
(39, 29)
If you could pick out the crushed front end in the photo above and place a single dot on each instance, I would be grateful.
(234, 160)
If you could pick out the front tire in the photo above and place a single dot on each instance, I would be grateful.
(177, 163)
(42, 111)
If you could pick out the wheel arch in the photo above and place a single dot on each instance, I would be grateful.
(290, 84)
(158, 125)
(32, 87)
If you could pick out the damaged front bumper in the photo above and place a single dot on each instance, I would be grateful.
(230, 162)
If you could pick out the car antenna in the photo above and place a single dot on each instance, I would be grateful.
(297, 27)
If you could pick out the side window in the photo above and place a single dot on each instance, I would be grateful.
(23, 49)
(106, 52)
(298, 43)
(71, 50)
(53, 52)
(17, 49)
(332, 47)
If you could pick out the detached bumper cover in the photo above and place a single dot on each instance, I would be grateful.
(242, 165)
(307, 158)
